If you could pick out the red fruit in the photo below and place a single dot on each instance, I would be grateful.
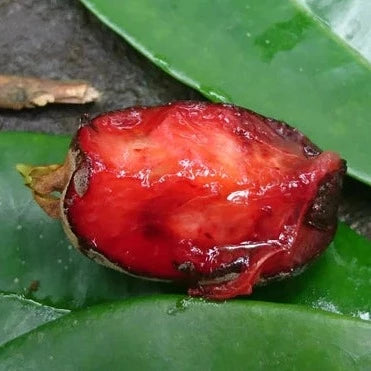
(210, 194)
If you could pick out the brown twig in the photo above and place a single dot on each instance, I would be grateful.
(17, 92)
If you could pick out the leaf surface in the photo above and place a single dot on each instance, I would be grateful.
(171, 333)
(19, 315)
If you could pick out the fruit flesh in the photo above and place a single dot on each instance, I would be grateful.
(210, 194)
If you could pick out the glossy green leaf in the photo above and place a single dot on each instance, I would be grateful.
(347, 19)
(35, 249)
(274, 57)
(19, 315)
(169, 333)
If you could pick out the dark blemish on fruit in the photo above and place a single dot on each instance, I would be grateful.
(151, 230)
(310, 151)
(237, 266)
(208, 235)
(322, 214)
(186, 267)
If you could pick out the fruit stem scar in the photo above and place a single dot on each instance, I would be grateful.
(44, 181)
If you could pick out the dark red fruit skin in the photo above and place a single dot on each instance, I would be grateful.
(213, 195)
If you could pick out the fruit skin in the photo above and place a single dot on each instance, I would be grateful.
(212, 195)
